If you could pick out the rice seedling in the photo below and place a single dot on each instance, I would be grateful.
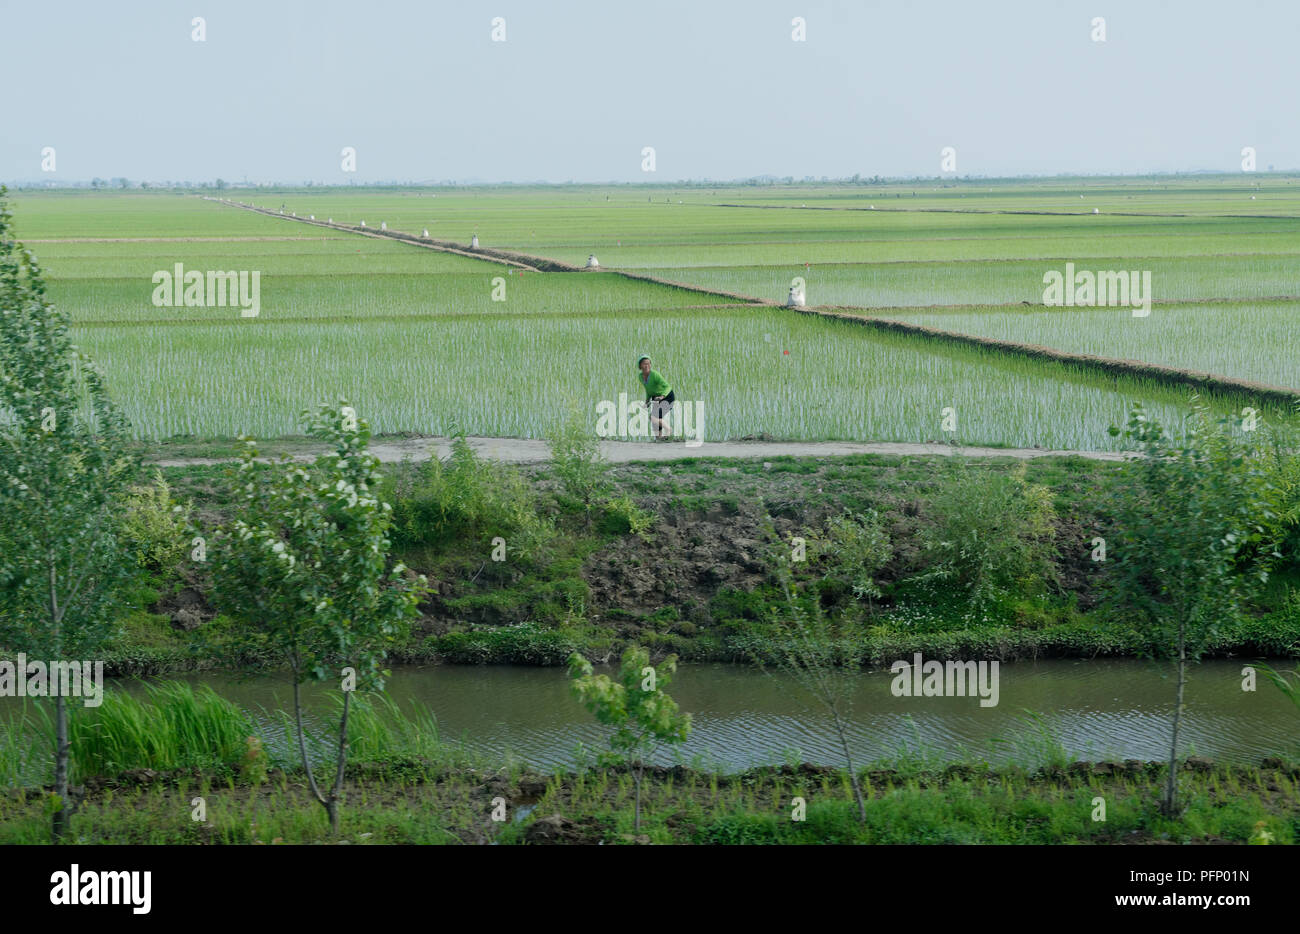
(758, 371)
(979, 282)
(1247, 340)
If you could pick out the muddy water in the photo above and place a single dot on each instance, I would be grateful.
(742, 717)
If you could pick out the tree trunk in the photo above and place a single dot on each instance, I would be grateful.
(61, 749)
(62, 817)
(302, 741)
(636, 778)
(1171, 785)
(853, 773)
(332, 808)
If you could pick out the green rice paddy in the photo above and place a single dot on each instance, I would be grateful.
(420, 340)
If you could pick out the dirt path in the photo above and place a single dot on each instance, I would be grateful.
(528, 451)
(525, 261)
(898, 209)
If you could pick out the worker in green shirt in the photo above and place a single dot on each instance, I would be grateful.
(659, 397)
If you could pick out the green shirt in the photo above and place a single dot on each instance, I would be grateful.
(655, 385)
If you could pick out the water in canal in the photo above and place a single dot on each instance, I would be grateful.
(743, 717)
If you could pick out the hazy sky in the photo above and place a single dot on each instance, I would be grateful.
(719, 89)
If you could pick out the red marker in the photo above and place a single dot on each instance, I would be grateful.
(786, 352)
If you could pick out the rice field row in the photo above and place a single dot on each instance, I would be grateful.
(90, 214)
(348, 277)
(894, 285)
(494, 291)
(308, 256)
(997, 244)
(1264, 345)
(757, 371)
(1238, 193)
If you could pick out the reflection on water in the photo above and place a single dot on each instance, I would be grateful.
(743, 717)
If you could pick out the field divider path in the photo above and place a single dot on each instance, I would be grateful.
(442, 246)
(1203, 382)
(533, 451)
(903, 210)
(513, 258)
(1082, 309)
